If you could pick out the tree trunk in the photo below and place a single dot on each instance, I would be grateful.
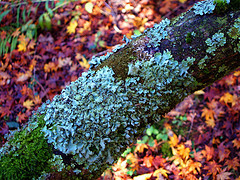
(93, 120)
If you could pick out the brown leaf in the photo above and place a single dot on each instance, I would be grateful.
(223, 175)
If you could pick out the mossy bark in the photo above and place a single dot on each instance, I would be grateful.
(178, 43)
(207, 67)
(187, 37)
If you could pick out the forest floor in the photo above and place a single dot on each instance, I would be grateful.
(45, 46)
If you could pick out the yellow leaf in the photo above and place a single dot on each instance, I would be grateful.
(160, 171)
(209, 116)
(210, 123)
(228, 98)
(173, 138)
(182, 1)
(140, 148)
(28, 104)
(85, 63)
(72, 27)
(236, 73)
(134, 161)
(199, 92)
(143, 177)
(22, 45)
(183, 151)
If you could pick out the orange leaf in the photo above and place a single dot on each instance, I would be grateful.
(148, 161)
(208, 152)
(236, 143)
(232, 164)
(236, 73)
(28, 104)
(209, 116)
(51, 66)
(193, 167)
(134, 161)
(21, 117)
(16, 33)
(31, 44)
(213, 168)
(37, 100)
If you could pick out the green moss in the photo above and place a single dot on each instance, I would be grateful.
(225, 5)
(27, 155)
(221, 6)
(166, 150)
(189, 38)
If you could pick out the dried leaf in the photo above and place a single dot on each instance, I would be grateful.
(161, 171)
(28, 104)
(143, 177)
(223, 175)
(72, 27)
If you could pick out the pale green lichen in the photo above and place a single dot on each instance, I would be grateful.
(157, 33)
(97, 115)
(216, 41)
(204, 7)
(234, 33)
(201, 63)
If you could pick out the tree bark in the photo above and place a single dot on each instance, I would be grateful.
(97, 116)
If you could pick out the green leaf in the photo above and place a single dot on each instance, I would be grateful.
(149, 131)
(4, 14)
(14, 43)
(151, 142)
(40, 22)
(18, 12)
(89, 7)
(24, 15)
(137, 32)
(49, 10)
(47, 21)
(162, 136)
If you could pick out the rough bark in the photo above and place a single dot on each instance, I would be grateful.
(96, 117)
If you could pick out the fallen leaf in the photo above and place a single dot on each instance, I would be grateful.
(143, 177)
(140, 148)
(236, 143)
(213, 168)
(72, 27)
(89, 7)
(148, 161)
(28, 104)
(223, 175)
(161, 171)
(84, 63)
(232, 163)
